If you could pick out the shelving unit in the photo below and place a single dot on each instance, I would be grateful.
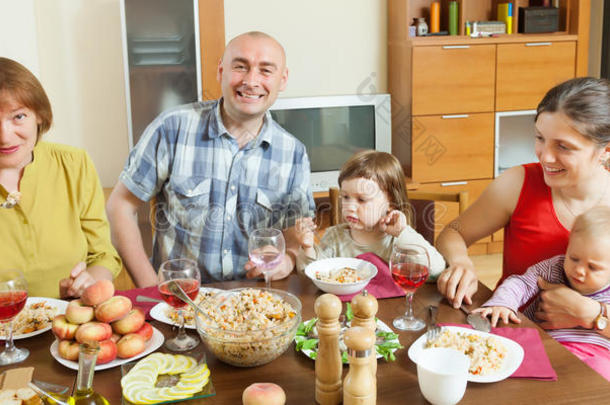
(448, 90)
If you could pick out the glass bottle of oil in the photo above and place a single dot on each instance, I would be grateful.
(83, 393)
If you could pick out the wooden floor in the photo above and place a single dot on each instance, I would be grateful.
(489, 268)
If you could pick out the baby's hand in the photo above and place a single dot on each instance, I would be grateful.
(304, 230)
(506, 314)
(393, 223)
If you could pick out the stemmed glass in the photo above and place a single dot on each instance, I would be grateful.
(185, 273)
(409, 265)
(13, 295)
(266, 248)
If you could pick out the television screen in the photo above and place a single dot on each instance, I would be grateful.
(330, 134)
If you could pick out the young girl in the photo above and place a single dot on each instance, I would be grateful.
(373, 204)
(586, 269)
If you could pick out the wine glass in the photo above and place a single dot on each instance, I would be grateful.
(409, 265)
(13, 295)
(185, 273)
(266, 248)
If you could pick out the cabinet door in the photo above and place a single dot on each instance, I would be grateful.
(527, 71)
(452, 147)
(445, 212)
(453, 79)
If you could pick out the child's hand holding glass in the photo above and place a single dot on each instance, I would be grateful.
(504, 313)
(393, 223)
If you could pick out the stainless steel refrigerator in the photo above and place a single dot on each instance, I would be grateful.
(162, 61)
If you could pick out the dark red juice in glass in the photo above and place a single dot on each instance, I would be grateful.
(11, 303)
(189, 286)
(409, 276)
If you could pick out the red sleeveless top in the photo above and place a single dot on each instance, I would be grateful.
(534, 232)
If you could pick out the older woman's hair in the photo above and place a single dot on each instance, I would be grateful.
(586, 102)
(18, 82)
(594, 222)
(385, 170)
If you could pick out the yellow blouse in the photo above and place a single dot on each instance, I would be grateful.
(59, 221)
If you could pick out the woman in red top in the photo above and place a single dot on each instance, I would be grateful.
(537, 203)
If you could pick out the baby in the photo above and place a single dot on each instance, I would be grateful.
(586, 269)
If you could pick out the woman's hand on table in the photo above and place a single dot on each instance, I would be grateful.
(561, 307)
(507, 315)
(458, 282)
(75, 285)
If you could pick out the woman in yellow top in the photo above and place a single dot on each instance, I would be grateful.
(52, 221)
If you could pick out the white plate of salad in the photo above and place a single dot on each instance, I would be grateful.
(306, 339)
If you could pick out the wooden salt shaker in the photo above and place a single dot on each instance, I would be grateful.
(328, 362)
(359, 387)
(364, 307)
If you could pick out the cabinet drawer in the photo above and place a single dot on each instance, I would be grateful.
(527, 71)
(452, 147)
(445, 212)
(448, 80)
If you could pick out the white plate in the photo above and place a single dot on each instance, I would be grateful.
(511, 363)
(153, 344)
(61, 309)
(159, 311)
(380, 325)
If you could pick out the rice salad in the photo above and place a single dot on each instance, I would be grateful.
(486, 352)
(341, 276)
(249, 327)
(205, 299)
(33, 317)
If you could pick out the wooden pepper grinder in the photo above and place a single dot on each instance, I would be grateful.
(364, 307)
(328, 362)
(359, 387)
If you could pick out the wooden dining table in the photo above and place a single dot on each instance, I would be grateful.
(396, 381)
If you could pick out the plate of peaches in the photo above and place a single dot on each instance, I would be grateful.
(35, 317)
(99, 315)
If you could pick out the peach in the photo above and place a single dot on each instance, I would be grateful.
(115, 337)
(63, 329)
(130, 345)
(130, 323)
(68, 349)
(146, 331)
(108, 351)
(96, 331)
(263, 394)
(98, 292)
(113, 309)
(79, 313)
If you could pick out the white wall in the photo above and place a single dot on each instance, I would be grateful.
(74, 47)
(332, 46)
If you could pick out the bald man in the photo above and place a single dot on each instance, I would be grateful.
(217, 170)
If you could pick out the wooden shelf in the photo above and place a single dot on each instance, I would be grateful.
(500, 39)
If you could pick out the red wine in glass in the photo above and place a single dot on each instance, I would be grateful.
(409, 276)
(11, 303)
(189, 286)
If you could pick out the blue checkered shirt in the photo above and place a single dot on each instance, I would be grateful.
(209, 194)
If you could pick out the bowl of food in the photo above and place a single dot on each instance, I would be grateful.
(341, 275)
(248, 327)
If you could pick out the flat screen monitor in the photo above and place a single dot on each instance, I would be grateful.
(333, 128)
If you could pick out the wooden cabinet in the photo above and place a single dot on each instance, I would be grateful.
(446, 90)
(444, 143)
(467, 72)
(525, 72)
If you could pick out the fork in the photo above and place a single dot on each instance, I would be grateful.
(433, 329)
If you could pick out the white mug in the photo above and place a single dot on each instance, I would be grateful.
(442, 375)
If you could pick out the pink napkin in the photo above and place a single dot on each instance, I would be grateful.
(382, 285)
(536, 364)
(151, 292)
